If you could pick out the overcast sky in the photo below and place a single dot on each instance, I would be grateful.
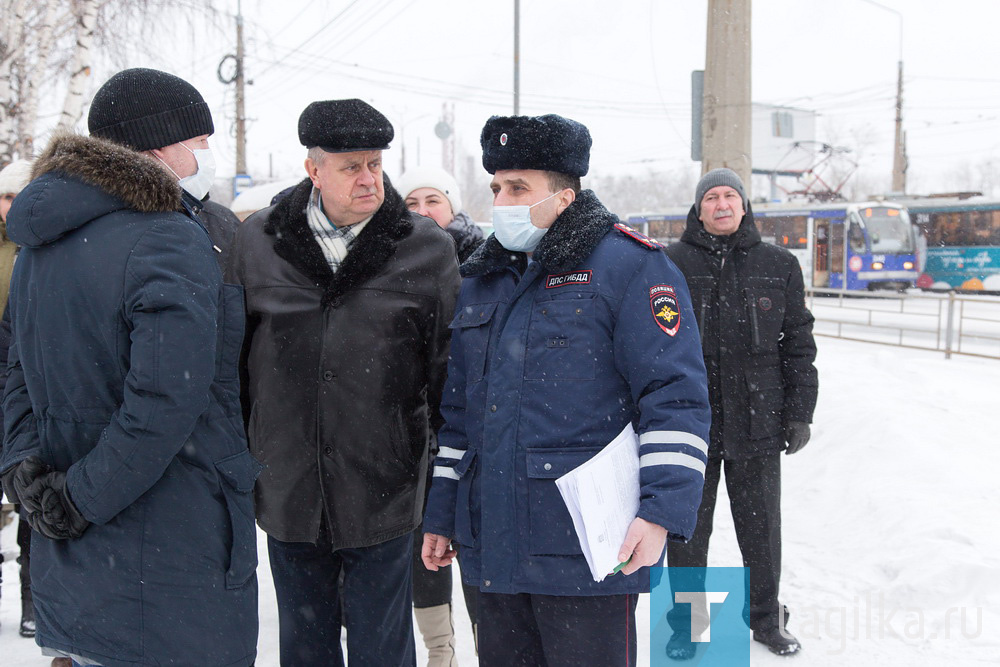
(622, 67)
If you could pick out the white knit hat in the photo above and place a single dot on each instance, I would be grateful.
(15, 176)
(431, 177)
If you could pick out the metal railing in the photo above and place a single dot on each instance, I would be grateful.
(950, 323)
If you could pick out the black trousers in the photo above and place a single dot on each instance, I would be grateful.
(556, 631)
(754, 487)
(375, 605)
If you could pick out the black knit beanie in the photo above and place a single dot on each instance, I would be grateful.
(715, 178)
(146, 108)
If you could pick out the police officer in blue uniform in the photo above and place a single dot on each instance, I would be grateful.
(569, 327)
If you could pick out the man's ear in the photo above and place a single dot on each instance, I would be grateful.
(565, 197)
(311, 170)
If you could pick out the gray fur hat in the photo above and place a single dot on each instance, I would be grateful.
(715, 178)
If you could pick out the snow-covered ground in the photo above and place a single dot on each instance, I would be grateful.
(891, 556)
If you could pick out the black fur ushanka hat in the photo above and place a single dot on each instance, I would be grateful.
(546, 143)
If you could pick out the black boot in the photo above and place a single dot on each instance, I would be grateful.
(27, 627)
(778, 641)
(680, 646)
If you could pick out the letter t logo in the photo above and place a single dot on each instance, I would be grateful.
(704, 600)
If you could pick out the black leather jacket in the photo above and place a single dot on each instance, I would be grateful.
(342, 373)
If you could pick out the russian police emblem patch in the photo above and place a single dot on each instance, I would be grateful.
(666, 310)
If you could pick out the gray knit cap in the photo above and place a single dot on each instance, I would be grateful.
(715, 178)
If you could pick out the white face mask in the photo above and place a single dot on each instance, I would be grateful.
(513, 228)
(199, 183)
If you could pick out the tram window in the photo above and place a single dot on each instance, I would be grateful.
(677, 228)
(856, 238)
(836, 247)
(766, 228)
(659, 229)
(994, 234)
(790, 232)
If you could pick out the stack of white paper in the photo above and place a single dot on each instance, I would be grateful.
(602, 496)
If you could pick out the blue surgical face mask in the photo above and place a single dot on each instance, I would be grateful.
(513, 228)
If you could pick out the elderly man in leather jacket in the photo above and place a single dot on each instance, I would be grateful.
(348, 299)
(759, 350)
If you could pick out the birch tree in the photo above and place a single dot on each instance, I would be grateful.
(86, 20)
(47, 51)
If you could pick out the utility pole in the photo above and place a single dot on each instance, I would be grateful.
(899, 146)
(517, 57)
(241, 136)
(727, 104)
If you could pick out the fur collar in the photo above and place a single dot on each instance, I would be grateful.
(570, 240)
(137, 179)
(295, 243)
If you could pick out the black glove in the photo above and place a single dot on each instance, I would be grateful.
(17, 480)
(51, 511)
(797, 435)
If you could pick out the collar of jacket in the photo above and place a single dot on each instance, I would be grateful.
(744, 237)
(570, 240)
(296, 244)
(135, 178)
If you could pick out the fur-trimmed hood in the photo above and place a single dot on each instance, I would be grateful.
(371, 251)
(77, 179)
(571, 239)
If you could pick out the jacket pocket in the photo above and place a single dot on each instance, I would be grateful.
(550, 527)
(467, 500)
(231, 320)
(766, 310)
(767, 395)
(472, 332)
(561, 340)
(239, 473)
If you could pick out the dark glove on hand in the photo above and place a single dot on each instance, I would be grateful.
(17, 480)
(50, 510)
(797, 435)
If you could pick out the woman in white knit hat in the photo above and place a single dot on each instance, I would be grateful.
(13, 178)
(433, 192)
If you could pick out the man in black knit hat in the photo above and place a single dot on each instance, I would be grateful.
(123, 443)
(348, 299)
(758, 345)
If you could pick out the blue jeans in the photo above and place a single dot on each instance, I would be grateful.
(374, 605)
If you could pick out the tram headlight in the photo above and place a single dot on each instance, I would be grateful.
(908, 266)
(877, 266)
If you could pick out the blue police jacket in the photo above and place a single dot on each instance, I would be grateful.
(550, 359)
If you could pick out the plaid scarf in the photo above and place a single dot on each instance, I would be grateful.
(335, 242)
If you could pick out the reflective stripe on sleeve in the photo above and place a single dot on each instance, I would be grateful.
(674, 437)
(450, 453)
(448, 473)
(670, 458)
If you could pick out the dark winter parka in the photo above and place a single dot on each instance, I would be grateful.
(123, 373)
(756, 335)
(343, 372)
(550, 360)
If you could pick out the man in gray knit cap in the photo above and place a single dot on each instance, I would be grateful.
(757, 340)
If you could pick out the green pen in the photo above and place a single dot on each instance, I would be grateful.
(620, 566)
